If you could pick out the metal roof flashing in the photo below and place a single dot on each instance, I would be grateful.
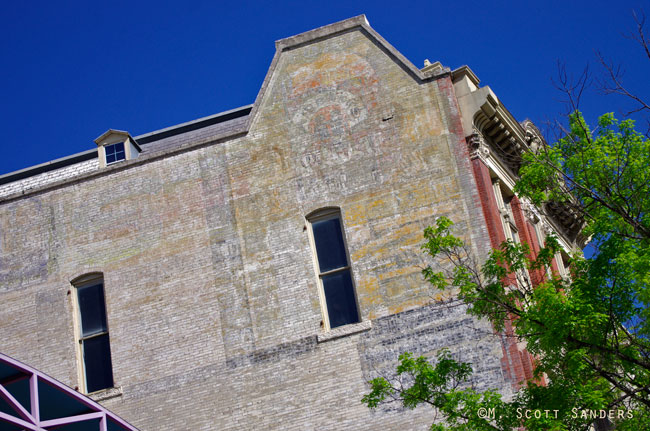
(139, 141)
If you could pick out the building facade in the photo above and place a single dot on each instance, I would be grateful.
(255, 268)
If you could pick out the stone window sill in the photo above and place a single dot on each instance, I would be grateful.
(106, 394)
(344, 331)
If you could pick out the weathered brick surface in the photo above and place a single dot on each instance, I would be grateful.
(212, 298)
(27, 184)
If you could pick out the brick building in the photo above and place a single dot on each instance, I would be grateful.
(254, 268)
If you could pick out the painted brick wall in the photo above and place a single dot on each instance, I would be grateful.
(212, 299)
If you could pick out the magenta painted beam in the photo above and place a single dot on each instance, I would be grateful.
(15, 421)
(72, 419)
(31, 420)
(33, 398)
(22, 412)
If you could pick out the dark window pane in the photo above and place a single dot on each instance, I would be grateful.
(339, 295)
(330, 249)
(115, 152)
(97, 360)
(93, 309)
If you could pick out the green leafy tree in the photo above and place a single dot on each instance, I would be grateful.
(589, 332)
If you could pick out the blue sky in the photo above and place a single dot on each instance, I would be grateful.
(74, 69)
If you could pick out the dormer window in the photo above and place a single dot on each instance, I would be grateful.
(114, 153)
(115, 146)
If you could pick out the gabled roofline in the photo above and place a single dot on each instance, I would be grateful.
(123, 133)
(359, 23)
(112, 132)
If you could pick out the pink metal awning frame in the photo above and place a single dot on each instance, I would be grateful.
(30, 419)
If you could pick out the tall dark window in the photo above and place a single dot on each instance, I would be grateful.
(334, 268)
(93, 335)
(114, 153)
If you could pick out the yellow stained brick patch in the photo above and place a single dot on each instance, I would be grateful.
(359, 211)
(356, 214)
(418, 125)
(408, 305)
(381, 207)
(414, 195)
(408, 234)
(370, 301)
(367, 285)
(359, 253)
(398, 272)
(440, 296)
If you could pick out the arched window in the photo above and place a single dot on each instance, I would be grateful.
(332, 265)
(92, 333)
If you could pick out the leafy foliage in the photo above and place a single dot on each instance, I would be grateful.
(588, 333)
(440, 385)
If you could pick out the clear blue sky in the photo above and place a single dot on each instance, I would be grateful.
(73, 69)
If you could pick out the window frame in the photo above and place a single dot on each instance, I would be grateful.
(107, 146)
(541, 240)
(81, 282)
(505, 212)
(508, 223)
(324, 214)
(563, 264)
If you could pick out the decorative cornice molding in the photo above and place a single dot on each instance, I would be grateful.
(529, 211)
(547, 228)
(478, 148)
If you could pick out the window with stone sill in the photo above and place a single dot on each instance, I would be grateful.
(332, 263)
(92, 334)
